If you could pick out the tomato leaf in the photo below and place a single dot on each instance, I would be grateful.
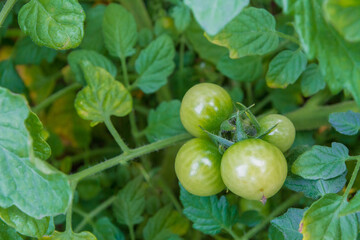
(321, 41)
(322, 221)
(288, 223)
(9, 78)
(106, 230)
(245, 69)
(159, 226)
(70, 235)
(209, 214)
(164, 122)
(130, 203)
(25, 224)
(352, 207)
(214, 15)
(7, 232)
(252, 32)
(285, 68)
(345, 17)
(57, 24)
(347, 123)
(154, 64)
(312, 80)
(202, 46)
(119, 29)
(46, 194)
(322, 162)
(316, 188)
(181, 15)
(102, 97)
(27, 52)
(93, 26)
(76, 57)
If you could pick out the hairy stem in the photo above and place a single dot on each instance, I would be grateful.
(94, 213)
(130, 155)
(138, 10)
(285, 205)
(288, 37)
(69, 212)
(352, 180)
(115, 134)
(313, 116)
(6, 10)
(92, 153)
(55, 96)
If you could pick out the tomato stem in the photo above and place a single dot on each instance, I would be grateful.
(95, 212)
(55, 96)
(353, 177)
(115, 134)
(6, 10)
(127, 156)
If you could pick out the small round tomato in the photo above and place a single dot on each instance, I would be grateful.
(197, 166)
(283, 135)
(253, 169)
(206, 105)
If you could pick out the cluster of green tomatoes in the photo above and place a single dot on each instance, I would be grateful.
(232, 149)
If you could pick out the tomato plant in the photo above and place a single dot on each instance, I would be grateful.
(162, 119)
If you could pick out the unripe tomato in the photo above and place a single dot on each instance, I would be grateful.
(197, 166)
(253, 169)
(206, 105)
(283, 135)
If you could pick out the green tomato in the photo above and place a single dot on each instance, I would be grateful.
(206, 105)
(197, 166)
(253, 169)
(283, 135)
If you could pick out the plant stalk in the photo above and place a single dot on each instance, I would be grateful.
(6, 10)
(130, 155)
(115, 134)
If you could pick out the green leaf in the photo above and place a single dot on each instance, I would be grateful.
(130, 203)
(285, 68)
(312, 80)
(27, 52)
(7, 232)
(347, 123)
(245, 69)
(165, 121)
(339, 60)
(93, 26)
(202, 46)
(45, 194)
(344, 15)
(42, 150)
(252, 32)
(25, 224)
(181, 15)
(322, 221)
(70, 236)
(288, 224)
(119, 29)
(158, 226)
(209, 214)
(9, 78)
(353, 206)
(76, 57)
(106, 230)
(102, 97)
(154, 64)
(214, 15)
(57, 24)
(316, 188)
(322, 162)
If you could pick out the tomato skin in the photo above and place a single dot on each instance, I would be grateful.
(253, 169)
(206, 105)
(283, 135)
(197, 166)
